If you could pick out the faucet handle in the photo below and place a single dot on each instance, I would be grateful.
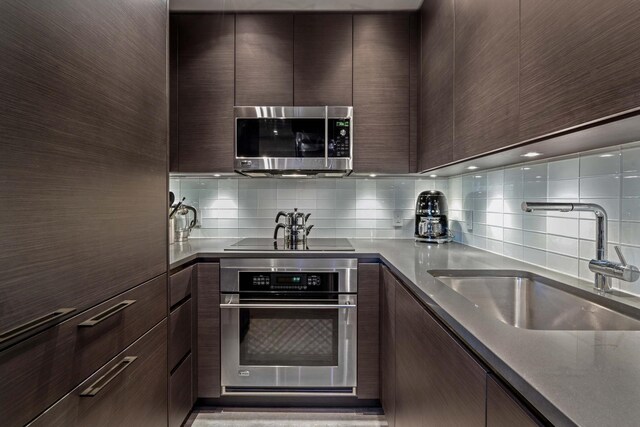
(619, 252)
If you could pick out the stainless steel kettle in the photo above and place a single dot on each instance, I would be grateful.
(295, 228)
(182, 222)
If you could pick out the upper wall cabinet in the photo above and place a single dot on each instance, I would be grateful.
(381, 67)
(205, 93)
(580, 61)
(486, 76)
(264, 59)
(323, 59)
(436, 90)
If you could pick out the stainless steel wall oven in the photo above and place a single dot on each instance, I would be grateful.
(288, 326)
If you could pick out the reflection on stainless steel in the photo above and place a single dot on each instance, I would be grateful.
(310, 244)
(601, 282)
(288, 326)
(529, 301)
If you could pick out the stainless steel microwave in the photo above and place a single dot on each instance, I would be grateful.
(293, 141)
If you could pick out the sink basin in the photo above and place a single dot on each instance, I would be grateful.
(528, 301)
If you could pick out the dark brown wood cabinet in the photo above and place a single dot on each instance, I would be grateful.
(264, 59)
(323, 59)
(486, 76)
(438, 383)
(181, 397)
(84, 138)
(208, 330)
(504, 409)
(388, 345)
(381, 77)
(130, 390)
(205, 93)
(368, 331)
(435, 146)
(579, 62)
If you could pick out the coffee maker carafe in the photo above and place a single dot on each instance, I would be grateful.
(432, 224)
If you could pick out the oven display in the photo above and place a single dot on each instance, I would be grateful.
(288, 282)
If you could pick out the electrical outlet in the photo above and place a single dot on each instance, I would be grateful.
(397, 218)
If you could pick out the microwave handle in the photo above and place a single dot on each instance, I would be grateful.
(326, 136)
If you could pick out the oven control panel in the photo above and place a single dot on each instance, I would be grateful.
(288, 282)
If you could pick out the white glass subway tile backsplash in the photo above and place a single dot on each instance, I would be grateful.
(485, 209)
(347, 207)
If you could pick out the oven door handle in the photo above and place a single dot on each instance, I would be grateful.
(298, 306)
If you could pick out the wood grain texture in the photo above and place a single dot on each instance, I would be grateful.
(180, 398)
(208, 330)
(194, 334)
(206, 92)
(83, 157)
(174, 145)
(414, 90)
(179, 333)
(486, 76)
(436, 84)
(264, 59)
(381, 92)
(368, 331)
(323, 59)
(37, 372)
(388, 345)
(437, 382)
(579, 62)
(411, 361)
(137, 396)
(181, 284)
(503, 408)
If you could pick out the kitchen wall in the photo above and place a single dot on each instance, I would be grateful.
(346, 207)
(485, 209)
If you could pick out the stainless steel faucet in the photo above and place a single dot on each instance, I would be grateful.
(603, 268)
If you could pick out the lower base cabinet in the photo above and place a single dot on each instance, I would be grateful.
(437, 382)
(181, 393)
(130, 390)
(504, 409)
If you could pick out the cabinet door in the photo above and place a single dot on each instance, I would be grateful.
(381, 92)
(83, 158)
(208, 354)
(580, 62)
(388, 346)
(437, 382)
(264, 59)
(503, 408)
(323, 59)
(173, 93)
(486, 76)
(368, 331)
(205, 93)
(436, 90)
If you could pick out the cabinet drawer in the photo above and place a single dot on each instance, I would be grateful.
(179, 333)
(37, 372)
(130, 390)
(181, 393)
(180, 285)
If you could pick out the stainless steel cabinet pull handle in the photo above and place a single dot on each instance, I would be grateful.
(107, 313)
(297, 306)
(111, 374)
(34, 324)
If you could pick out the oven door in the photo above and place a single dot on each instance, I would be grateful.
(300, 346)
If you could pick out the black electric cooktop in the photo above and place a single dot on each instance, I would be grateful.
(319, 245)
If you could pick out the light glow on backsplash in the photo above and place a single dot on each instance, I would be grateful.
(485, 212)
(339, 207)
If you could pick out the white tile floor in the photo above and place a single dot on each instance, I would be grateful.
(242, 417)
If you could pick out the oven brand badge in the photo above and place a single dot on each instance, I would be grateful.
(244, 373)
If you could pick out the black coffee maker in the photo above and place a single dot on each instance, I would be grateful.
(432, 225)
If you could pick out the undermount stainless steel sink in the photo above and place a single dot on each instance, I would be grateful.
(525, 300)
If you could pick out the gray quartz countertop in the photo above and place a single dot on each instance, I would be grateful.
(585, 378)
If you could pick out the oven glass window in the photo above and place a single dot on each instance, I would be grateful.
(288, 337)
(280, 137)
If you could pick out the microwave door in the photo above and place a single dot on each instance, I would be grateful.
(280, 138)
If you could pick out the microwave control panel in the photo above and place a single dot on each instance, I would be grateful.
(340, 138)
